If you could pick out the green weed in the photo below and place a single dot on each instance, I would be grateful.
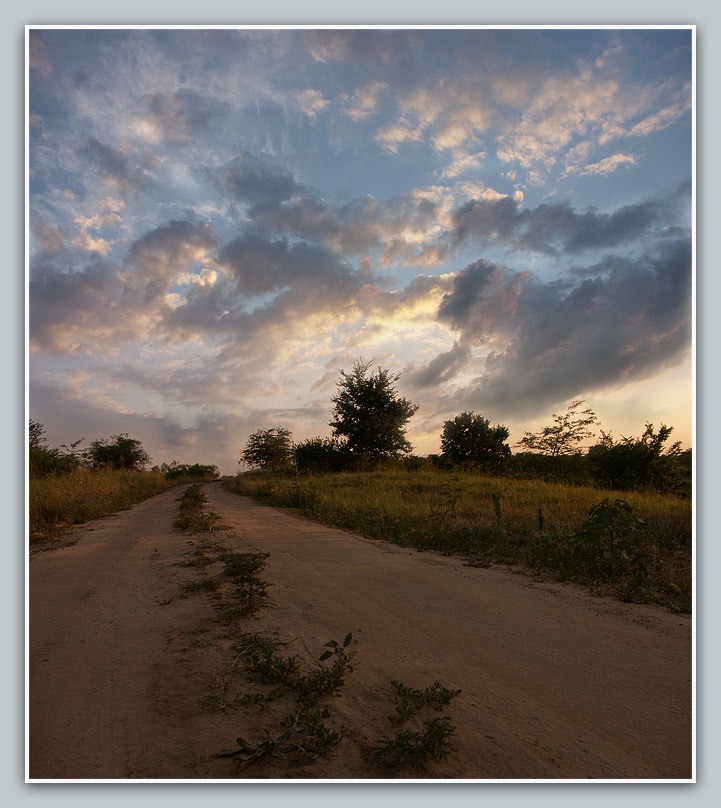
(416, 748)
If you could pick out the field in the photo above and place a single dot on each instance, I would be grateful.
(60, 501)
(637, 548)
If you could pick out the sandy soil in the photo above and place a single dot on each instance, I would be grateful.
(556, 683)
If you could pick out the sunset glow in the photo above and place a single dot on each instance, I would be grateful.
(223, 219)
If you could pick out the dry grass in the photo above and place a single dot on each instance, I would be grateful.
(489, 519)
(59, 502)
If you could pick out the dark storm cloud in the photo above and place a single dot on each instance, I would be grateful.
(248, 180)
(549, 340)
(259, 266)
(276, 201)
(116, 167)
(440, 369)
(553, 228)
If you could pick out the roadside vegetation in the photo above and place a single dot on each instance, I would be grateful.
(59, 502)
(615, 515)
(639, 550)
(68, 485)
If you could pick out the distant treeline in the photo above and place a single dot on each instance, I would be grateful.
(622, 469)
(119, 453)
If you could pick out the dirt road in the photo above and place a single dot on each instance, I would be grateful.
(555, 683)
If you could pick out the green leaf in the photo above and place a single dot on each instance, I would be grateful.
(331, 644)
(325, 655)
(347, 640)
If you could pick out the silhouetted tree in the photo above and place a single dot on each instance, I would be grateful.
(118, 452)
(268, 449)
(469, 439)
(566, 433)
(43, 460)
(369, 415)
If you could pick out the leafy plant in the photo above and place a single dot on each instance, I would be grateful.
(409, 700)
(432, 742)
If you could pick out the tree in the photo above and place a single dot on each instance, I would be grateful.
(470, 439)
(636, 462)
(268, 448)
(370, 415)
(564, 436)
(118, 452)
(43, 460)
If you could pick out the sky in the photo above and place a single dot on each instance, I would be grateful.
(220, 221)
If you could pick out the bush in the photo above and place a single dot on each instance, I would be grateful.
(638, 462)
(44, 461)
(320, 455)
(183, 471)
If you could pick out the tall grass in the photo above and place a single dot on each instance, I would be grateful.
(61, 501)
(489, 519)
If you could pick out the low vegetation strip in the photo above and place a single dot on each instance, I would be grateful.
(638, 548)
(58, 502)
(298, 696)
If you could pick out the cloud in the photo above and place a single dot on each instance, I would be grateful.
(623, 320)
(608, 165)
(312, 102)
(554, 228)
(439, 370)
(247, 179)
(362, 104)
(178, 116)
(272, 198)
(106, 303)
(122, 171)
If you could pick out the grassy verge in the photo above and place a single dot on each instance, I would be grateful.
(642, 554)
(57, 503)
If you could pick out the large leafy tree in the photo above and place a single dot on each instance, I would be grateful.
(268, 448)
(469, 439)
(564, 435)
(119, 452)
(369, 415)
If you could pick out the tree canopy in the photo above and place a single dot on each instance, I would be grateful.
(469, 439)
(268, 448)
(567, 431)
(119, 452)
(369, 415)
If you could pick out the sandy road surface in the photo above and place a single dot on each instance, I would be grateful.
(555, 683)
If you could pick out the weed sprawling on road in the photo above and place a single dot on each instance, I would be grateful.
(432, 742)
(496, 520)
(409, 700)
(193, 516)
(307, 735)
